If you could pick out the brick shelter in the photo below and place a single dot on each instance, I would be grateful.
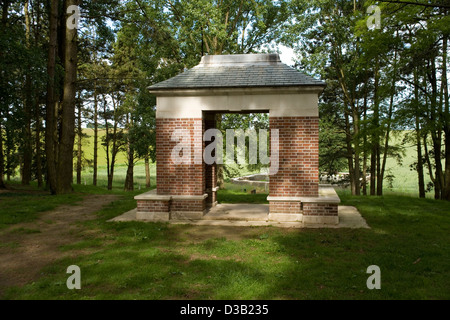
(251, 83)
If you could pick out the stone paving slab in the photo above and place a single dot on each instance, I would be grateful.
(252, 215)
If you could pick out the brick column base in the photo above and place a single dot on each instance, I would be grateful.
(309, 210)
(322, 213)
(153, 207)
(156, 210)
(285, 211)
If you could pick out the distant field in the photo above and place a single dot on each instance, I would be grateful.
(120, 169)
(405, 181)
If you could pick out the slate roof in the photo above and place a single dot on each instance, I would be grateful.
(238, 71)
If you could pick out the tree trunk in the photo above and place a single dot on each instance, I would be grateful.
(38, 142)
(95, 138)
(50, 116)
(129, 181)
(8, 151)
(436, 131)
(2, 164)
(5, 12)
(356, 131)
(79, 142)
(388, 129)
(27, 149)
(365, 142)
(446, 191)
(114, 147)
(375, 136)
(107, 137)
(65, 159)
(348, 140)
(5, 5)
(420, 163)
(147, 172)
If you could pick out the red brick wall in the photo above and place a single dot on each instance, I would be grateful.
(179, 179)
(285, 207)
(320, 209)
(187, 205)
(152, 206)
(298, 173)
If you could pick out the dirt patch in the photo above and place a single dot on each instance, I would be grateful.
(28, 247)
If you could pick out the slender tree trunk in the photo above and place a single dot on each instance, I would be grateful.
(428, 160)
(65, 159)
(27, 149)
(114, 149)
(129, 181)
(356, 130)
(79, 145)
(5, 5)
(446, 191)
(95, 138)
(379, 178)
(147, 172)
(348, 140)
(436, 132)
(365, 143)
(107, 137)
(375, 137)
(2, 163)
(5, 12)
(420, 163)
(9, 151)
(37, 117)
(50, 117)
(388, 129)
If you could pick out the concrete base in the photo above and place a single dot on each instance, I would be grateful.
(152, 216)
(349, 217)
(186, 215)
(332, 220)
(288, 217)
(238, 212)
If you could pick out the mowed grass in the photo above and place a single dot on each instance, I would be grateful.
(242, 194)
(409, 240)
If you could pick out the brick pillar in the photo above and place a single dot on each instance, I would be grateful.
(183, 183)
(179, 179)
(298, 174)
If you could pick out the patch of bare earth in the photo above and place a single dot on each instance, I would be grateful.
(28, 247)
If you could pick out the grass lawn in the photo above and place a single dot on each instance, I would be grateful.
(409, 241)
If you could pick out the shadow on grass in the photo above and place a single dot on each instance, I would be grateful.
(133, 260)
